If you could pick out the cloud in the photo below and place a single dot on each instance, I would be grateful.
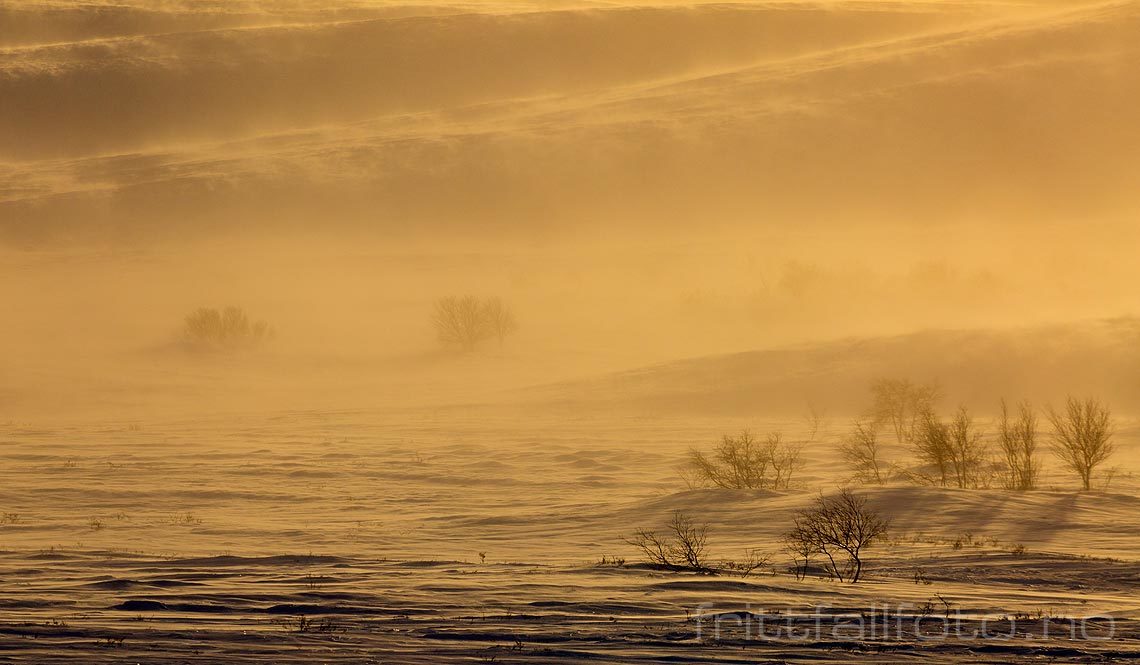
(652, 116)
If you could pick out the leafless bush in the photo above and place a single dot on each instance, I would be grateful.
(500, 319)
(815, 420)
(1017, 436)
(1082, 436)
(931, 445)
(753, 561)
(683, 545)
(744, 462)
(787, 458)
(838, 528)
(951, 454)
(861, 452)
(228, 328)
(969, 458)
(460, 321)
(465, 321)
(901, 405)
(801, 548)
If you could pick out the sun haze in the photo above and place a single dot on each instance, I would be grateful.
(426, 331)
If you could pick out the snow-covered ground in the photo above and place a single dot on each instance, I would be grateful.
(477, 533)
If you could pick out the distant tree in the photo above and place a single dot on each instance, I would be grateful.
(839, 528)
(951, 453)
(931, 445)
(500, 318)
(787, 459)
(1082, 436)
(814, 419)
(744, 462)
(461, 321)
(902, 405)
(228, 328)
(801, 547)
(464, 321)
(1017, 436)
(861, 451)
(682, 546)
(968, 454)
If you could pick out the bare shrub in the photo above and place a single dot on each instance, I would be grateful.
(744, 462)
(656, 549)
(801, 548)
(500, 319)
(931, 445)
(1082, 436)
(753, 561)
(968, 452)
(683, 545)
(465, 321)
(951, 453)
(815, 420)
(787, 458)
(901, 405)
(460, 321)
(228, 328)
(1017, 436)
(861, 452)
(838, 528)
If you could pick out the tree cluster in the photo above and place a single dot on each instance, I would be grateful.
(745, 462)
(227, 328)
(956, 453)
(465, 321)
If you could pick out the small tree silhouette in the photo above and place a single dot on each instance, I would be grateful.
(500, 318)
(228, 328)
(931, 445)
(1082, 436)
(744, 462)
(968, 452)
(464, 321)
(683, 547)
(460, 321)
(861, 450)
(838, 528)
(1017, 436)
(902, 405)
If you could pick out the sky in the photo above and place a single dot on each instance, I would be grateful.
(645, 181)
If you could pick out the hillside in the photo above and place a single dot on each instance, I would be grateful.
(976, 368)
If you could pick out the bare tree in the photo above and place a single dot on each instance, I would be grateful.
(500, 318)
(655, 548)
(1017, 436)
(744, 462)
(801, 547)
(931, 445)
(1082, 436)
(690, 540)
(839, 528)
(786, 459)
(754, 560)
(967, 451)
(460, 321)
(861, 451)
(684, 545)
(738, 462)
(227, 328)
(902, 404)
(951, 453)
(464, 321)
(814, 419)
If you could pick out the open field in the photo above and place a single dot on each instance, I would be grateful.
(459, 534)
(402, 331)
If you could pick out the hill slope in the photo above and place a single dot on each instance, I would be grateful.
(976, 368)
